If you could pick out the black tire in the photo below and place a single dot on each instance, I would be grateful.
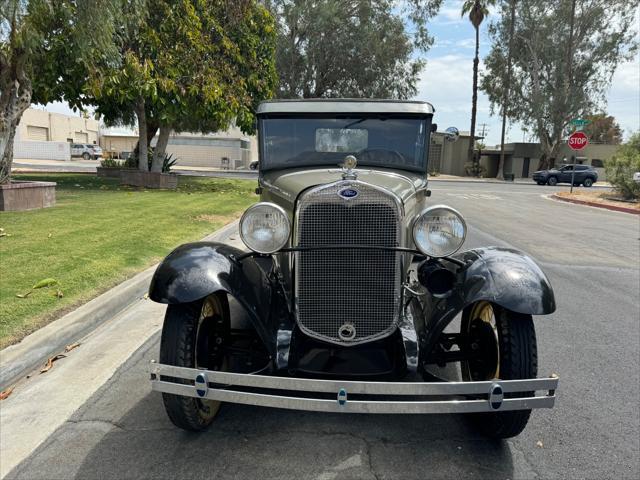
(553, 181)
(86, 156)
(186, 341)
(518, 359)
(587, 182)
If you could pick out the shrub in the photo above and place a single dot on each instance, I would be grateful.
(131, 161)
(167, 162)
(475, 169)
(621, 167)
(110, 163)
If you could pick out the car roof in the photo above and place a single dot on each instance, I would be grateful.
(345, 105)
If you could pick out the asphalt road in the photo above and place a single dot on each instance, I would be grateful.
(592, 341)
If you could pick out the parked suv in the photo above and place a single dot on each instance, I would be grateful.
(86, 151)
(584, 175)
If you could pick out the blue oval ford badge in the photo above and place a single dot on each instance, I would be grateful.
(348, 193)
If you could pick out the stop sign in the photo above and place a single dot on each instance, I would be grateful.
(577, 141)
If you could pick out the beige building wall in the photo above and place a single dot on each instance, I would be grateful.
(206, 155)
(118, 143)
(37, 124)
(451, 155)
(193, 149)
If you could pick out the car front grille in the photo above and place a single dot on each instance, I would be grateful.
(352, 291)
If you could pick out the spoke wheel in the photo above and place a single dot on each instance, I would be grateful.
(500, 344)
(481, 335)
(193, 336)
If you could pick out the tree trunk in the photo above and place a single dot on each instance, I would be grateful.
(143, 157)
(505, 94)
(15, 98)
(161, 148)
(6, 147)
(474, 100)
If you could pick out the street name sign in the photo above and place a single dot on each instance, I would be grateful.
(579, 122)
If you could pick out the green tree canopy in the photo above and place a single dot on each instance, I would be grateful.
(348, 48)
(46, 49)
(603, 128)
(193, 65)
(559, 72)
(623, 165)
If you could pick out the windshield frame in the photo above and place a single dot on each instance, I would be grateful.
(426, 117)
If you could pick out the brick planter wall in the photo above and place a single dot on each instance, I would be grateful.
(108, 172)
(137, 178)
(21, 195)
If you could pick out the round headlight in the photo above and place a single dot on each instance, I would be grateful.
(265, 228)
(439, 231)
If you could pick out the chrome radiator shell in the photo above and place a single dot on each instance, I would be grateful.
(359, 290)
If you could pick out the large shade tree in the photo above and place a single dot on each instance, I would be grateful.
(603, 128)
(194, 65)
(350, 48)
(564, 55)
(46, 48)
(476, 10)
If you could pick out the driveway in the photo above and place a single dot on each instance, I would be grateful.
(593, 342)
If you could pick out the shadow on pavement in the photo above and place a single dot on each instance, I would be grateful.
(251, 442)
(123, 432)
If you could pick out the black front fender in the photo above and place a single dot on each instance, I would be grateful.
(503, 276)
(508, 278)
(196, 270)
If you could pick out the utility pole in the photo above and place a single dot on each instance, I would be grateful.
(484, 128)
(569, 79)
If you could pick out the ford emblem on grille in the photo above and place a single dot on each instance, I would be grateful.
(348, 193)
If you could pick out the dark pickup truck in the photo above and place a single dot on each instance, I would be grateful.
(584, 175)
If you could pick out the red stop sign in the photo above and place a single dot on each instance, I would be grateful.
(577, 141)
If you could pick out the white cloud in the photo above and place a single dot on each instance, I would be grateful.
(450, 13)
(623, 99)
(446, 82)
(466, 43)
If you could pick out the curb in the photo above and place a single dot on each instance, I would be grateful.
(615, 208)
(18, 360)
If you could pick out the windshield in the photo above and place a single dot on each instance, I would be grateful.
(375, 141)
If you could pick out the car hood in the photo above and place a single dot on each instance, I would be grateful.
(290, 183)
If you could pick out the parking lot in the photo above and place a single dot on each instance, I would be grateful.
(592, 342)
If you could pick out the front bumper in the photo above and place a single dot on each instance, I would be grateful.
(368, 397)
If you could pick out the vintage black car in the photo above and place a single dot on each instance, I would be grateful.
(351, 297)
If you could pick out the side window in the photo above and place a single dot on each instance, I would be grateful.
(597, 163)
(582, 168)
(568, 168)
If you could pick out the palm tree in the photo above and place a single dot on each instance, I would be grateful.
(477, 10)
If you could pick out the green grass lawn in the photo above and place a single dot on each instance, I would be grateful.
(98, 234)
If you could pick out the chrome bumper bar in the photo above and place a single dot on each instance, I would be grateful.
(332, 395)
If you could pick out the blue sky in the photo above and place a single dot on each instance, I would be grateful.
(446, 81)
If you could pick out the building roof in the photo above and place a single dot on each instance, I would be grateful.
(342, 105)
